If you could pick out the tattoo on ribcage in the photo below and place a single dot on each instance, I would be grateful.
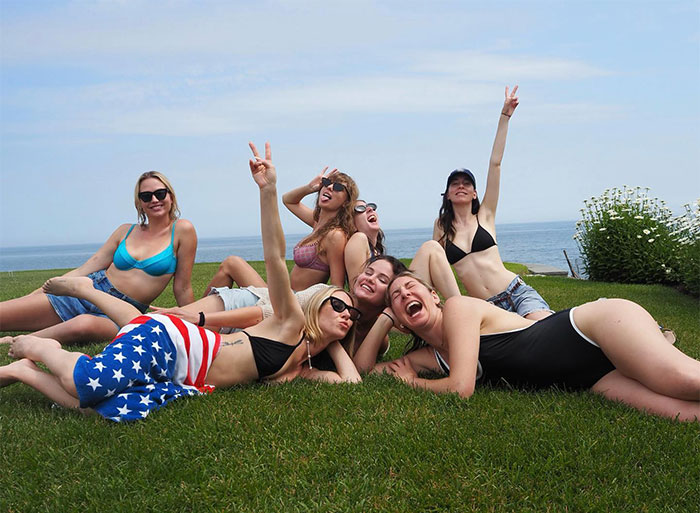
(234, 343)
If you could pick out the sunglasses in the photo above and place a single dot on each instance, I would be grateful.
(337, 186)
(147, 196)
(339, 306)
(361, 208)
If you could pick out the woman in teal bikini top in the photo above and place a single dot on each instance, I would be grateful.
(136, 274)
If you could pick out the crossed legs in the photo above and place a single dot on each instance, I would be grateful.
(236, 270)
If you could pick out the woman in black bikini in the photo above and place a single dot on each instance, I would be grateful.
(466, 228)
(318, 257)
(612, 347)
(159, 358)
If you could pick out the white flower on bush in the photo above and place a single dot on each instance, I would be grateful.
(650, 240)
(646, 232)
(639, 217)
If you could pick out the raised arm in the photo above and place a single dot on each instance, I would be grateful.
(292, 199)
(186, 249)
(493, 181)
(282, 298)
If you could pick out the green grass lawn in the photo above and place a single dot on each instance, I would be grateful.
(376, 446)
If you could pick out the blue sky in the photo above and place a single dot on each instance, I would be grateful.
(395, 93)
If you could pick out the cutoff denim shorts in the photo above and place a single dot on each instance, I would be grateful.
(520, 298)
(68, 307)
(234, 298)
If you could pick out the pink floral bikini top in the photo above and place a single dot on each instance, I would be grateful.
(307, 258)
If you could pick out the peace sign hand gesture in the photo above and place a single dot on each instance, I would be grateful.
(511, 102)
(263, 170)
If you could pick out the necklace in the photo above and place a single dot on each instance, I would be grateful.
(308, 353)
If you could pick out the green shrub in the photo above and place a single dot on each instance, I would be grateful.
(626, 236)
(686, 231)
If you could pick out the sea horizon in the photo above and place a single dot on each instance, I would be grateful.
(535, 242)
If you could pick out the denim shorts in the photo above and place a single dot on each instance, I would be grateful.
(520, 298)
(234, 298)
(68, 307)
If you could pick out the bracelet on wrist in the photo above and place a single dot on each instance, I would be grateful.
(506, 115)
(202, 320)
(393, 323)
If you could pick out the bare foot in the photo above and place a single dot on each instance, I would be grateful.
(8, 373)
(6, 340)
(23, 344)
(669, 335)
(67, 285)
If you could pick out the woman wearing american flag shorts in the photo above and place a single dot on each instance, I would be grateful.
(157, 358)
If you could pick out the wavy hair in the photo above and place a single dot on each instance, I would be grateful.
(312, 330)
(174, 209)
(343, 219)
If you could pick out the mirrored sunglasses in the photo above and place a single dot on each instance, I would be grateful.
(339, 305)
(337, 186)
(361, 208)
(147, 196)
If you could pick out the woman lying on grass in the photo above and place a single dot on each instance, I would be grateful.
(157, 358)
(219, 312)
(611, 346)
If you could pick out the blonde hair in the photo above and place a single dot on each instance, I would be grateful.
(174, 209)
(312, 330)
(344, 219)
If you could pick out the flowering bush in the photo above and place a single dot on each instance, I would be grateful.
(686, 231)
(626, 236)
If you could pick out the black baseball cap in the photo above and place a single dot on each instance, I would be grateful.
(461, 171)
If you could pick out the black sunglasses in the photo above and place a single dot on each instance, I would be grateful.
(147, 196)
(339, 305)
(337, 186)
(361, 208)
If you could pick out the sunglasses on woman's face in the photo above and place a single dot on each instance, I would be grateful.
(339, 305)
(337, 186)
(147, 196)
(361, 208)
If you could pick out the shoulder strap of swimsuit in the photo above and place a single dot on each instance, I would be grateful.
(172, 233)
(127, 233)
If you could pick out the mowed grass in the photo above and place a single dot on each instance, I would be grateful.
(376, 446)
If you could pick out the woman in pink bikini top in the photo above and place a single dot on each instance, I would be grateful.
(320, 256)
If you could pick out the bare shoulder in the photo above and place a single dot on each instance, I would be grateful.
(335, 236)
(184, 227)
(357, 239)
(464, 303)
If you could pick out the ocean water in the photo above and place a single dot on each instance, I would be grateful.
(535, 243)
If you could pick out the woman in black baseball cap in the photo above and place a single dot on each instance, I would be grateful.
(466, 229)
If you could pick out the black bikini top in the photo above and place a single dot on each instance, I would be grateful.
(482, 240)
(270, 355)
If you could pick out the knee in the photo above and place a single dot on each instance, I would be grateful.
(431, 247)
(230, 264)
(90, 325)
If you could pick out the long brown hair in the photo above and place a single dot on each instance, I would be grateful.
(446, 216)
(343, 219)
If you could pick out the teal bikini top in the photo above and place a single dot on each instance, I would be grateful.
(164, 262)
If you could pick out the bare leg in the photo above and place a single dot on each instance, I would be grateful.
(631, 339)
(27, 313)
(59, 361)
(235, 270)
(80, 329)
(116, 309)
(27, 372)
(616, 387)
(430, 263)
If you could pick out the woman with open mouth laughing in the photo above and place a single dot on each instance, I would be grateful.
(612, 347)
(135, 265)
(366, 242)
